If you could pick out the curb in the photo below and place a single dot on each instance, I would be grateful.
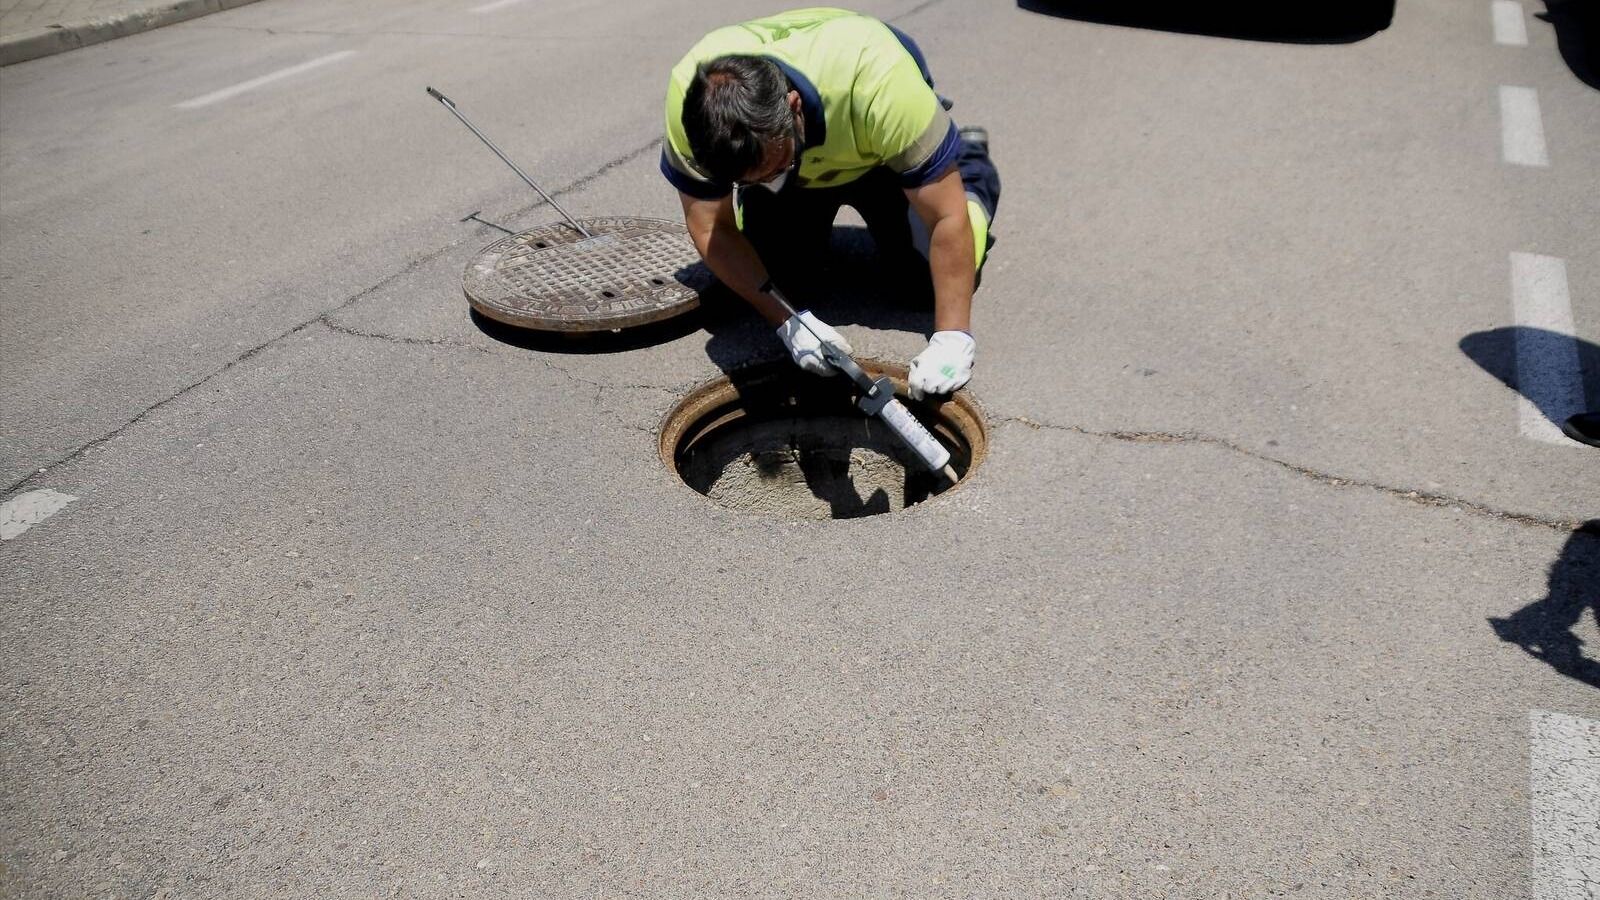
(37, 42)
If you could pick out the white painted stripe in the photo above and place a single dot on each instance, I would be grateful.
(1521, 127)
(252, 84)
(1510, 27)
(1548, 374)
(1564, 800)
(497, 4)
(27, 510)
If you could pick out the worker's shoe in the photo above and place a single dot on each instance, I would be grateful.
(974, 134)
(1583, 428)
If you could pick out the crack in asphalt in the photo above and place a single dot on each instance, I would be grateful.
(145, 413)
(331, 325)
(325, 319)
(320, 318)
(1421, 498)
(570, 375)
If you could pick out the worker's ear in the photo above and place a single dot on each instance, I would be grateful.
(794, 101)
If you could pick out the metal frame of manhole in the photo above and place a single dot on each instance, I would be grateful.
(633, 271)
(781, 389)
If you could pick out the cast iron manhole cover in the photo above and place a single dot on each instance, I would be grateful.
(632, 272)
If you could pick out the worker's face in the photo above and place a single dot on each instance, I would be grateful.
(781, 155)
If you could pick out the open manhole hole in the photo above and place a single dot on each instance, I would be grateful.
(775, 441)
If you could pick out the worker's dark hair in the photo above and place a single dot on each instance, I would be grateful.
(734, 107)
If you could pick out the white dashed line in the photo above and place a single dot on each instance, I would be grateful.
(1521, 127)
(252, 84)
(1548, 374)
(1564, 783)
(27, 510)
(497, 4)
(1510, 27)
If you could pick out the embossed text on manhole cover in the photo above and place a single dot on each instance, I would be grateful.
(631, 272)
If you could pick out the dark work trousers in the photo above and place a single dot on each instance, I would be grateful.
(790, 229)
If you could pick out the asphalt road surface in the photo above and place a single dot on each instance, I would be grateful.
(313, 588)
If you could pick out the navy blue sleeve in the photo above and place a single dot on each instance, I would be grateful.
(694, 187)
(936, 163)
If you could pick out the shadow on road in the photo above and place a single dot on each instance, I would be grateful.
(848, 286)
(1546, 628)
(1577, 26)
(1324, 22)
(585, 344)
(1495, 351)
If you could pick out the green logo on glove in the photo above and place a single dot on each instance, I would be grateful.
(948, 371)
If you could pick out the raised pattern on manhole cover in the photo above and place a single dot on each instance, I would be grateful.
(632, 272)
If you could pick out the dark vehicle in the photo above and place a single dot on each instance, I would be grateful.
(1256, 20)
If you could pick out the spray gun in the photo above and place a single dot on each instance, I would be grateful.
(877, 398)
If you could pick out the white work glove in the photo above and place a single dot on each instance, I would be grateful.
(804, 346)
(945, 366)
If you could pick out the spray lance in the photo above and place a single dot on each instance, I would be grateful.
(877, 398)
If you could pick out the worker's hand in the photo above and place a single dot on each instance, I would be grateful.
(945, 366)
(804, 346)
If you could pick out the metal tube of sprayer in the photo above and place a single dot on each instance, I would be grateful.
(879, 400)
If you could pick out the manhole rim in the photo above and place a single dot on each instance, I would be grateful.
(704, 401)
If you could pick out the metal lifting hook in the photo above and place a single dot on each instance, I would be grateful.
(450, 105)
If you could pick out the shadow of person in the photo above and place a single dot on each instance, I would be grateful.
(849, 285)
(1545, 629)
(1577, 27)
(1496, 352)
(789, 431)
(827, 476)
(1250, 20)
(584, 343)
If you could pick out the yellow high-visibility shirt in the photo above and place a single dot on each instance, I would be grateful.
(865, 98)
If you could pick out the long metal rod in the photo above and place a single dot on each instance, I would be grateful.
(520, 174)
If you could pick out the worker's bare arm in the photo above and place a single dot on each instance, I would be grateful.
(728, 252)
(942, 205)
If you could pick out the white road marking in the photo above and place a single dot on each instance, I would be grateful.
(27, 510)
(1548, 374)
(497, 4)
(1564, 796)
(1510, 27)
(252, 84)
(1521, 127)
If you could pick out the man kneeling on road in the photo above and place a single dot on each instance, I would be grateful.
(775, 123)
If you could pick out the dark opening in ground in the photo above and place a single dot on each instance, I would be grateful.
(775, 441)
